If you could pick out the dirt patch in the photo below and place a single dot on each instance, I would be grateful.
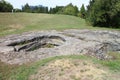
(68, 69)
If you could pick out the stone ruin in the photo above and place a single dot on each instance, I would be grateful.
(33, 46)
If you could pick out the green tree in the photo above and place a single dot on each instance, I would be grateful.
(104, 13)
(5, 6)
(76, 10)
(56, 10)
(82, 12)
(59, 9)
(70, 10)
(26, 8)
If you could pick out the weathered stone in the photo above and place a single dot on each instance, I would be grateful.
(5, 49)
(33, 46)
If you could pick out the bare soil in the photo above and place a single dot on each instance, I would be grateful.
(68, 69)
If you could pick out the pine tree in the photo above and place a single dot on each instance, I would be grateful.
(83, 11)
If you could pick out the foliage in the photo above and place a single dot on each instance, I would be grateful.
(51, 11)
(82, 12)
(26, 8)
(5, 6)
(70, 10)
(34, 9)
(56, 10)
(104, 13)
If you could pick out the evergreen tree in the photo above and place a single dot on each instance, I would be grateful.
(82, 11)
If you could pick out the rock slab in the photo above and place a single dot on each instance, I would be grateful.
(33, 46)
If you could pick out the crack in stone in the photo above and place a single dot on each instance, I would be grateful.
(36, 43)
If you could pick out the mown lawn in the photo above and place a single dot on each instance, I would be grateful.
(12, 23)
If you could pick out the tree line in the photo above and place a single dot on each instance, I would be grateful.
(103, 13)
(69, 9)
(34, 9)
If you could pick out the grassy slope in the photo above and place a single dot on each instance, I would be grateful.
(21, 22)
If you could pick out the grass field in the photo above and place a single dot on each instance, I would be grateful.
(21, 22)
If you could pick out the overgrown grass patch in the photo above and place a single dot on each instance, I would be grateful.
(13, 72)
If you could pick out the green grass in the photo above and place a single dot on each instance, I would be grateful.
(15, 72)
(113, 64)
(22, 22)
